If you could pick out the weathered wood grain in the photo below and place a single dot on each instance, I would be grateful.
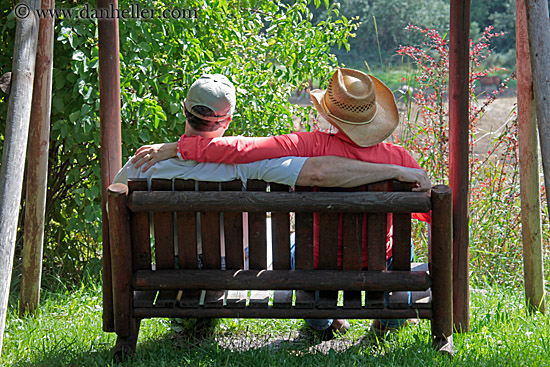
(141, 236)
(529, 162)
(352, 238)
(271, 312)
(281, 280)
(37, 167)
(15, 148)
(353, 202)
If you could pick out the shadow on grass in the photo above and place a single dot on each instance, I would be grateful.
(241, 348)
(298, 348)
(60, 357)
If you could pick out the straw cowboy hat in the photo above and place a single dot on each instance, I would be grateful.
(359, 105)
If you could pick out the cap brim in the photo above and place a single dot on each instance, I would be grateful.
(376, 131)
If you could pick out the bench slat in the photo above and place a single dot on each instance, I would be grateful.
(419, 299)
(210, 232)
(401, 242)
(376, 245)
(187, 230)
(236, 299)
(352, 253)
(422, 300)
(305, 299)
(233, 232)
(144, 298)
(304, 250)
(259, 299)
(328, 251)
(164, 230)
(257, 248)
(234, 257)
(282, 299)
(190, 299)
(164, 243)
(257, 231)
(214, 299)
(166, 299)
(211, 245)
(281, 280)
(280, 232)
(292, 313)
(304, 237)
(335, 202)
(139, 227)
(187, 244)
(401, 234)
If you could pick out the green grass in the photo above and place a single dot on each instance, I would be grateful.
(67, 332)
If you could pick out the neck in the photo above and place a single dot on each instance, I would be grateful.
(189, 131)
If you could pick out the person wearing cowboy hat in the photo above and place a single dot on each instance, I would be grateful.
(360, 106)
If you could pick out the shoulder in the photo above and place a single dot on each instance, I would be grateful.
(400, 154)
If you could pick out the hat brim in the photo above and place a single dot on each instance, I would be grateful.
(374, 132)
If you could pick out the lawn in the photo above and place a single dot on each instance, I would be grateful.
(67, 332)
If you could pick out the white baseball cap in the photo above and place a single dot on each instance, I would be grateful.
(214, 91)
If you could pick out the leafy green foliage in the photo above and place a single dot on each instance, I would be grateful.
(383, 23)
(268, 49)
(382, 28)
(502, 15)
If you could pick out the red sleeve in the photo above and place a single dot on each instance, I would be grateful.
(240, 149)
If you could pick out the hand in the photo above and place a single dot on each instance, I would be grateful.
(148, 155)
(417, 176)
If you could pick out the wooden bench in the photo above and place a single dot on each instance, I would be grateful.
(199, 268)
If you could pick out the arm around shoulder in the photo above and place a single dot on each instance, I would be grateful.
(148, 155)
(240, 149)
(331, 171)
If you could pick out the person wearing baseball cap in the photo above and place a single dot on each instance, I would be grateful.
(208, 109)
(210, 103)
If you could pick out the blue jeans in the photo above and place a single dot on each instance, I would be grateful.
(322, 324)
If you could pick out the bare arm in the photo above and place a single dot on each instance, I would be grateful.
(331, 171)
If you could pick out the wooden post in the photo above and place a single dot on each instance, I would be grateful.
(458, 156)
(15, 146)
(126, 326)
(529, 168)
(111, 151)
(37, 166)
(442, 269)
(121, 252)
(538, 25)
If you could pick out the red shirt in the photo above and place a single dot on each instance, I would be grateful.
(239, 149)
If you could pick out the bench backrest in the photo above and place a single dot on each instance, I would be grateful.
(179, 234)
